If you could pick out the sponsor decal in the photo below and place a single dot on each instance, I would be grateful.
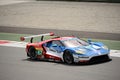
(39, 51)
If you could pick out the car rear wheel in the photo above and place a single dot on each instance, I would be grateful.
(32, 53)
(68, 57)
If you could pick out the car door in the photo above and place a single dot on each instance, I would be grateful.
(54, 48)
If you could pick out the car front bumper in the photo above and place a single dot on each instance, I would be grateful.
(91, 58)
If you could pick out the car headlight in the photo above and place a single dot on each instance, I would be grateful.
(80, 51)
(105, 47)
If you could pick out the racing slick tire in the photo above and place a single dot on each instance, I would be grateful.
(32, 53)
(68, 57)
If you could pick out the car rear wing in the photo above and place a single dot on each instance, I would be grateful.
(33, 36)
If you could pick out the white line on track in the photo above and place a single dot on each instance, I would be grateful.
(114, 53)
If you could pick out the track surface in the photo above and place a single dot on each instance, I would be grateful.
(61, 15)
(14, 65)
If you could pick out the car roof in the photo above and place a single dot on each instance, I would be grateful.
(58, 38)
(53, 39)
(62, 38)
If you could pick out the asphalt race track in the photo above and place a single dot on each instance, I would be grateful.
(14, 65)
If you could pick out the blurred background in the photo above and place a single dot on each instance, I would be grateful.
(85, 0)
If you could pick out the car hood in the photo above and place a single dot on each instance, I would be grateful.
(93, 49)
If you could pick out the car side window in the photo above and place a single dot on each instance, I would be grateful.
(48, 44)
(54, 46)
(57, 42)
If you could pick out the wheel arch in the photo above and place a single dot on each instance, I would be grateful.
(71, 51)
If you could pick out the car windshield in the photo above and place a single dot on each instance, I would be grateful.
(74, 42)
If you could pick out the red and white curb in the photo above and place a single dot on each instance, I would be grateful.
(13, 43)
(114, 53)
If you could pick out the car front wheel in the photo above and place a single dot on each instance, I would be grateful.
(68, 57)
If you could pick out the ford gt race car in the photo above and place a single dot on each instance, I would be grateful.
(66, 49)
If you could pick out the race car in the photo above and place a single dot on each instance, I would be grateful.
(66, 49)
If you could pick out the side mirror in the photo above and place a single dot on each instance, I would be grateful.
(89, 41)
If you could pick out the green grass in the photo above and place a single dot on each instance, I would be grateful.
(11, 36)
(112, 44)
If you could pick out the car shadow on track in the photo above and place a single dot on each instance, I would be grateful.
(74, 64)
